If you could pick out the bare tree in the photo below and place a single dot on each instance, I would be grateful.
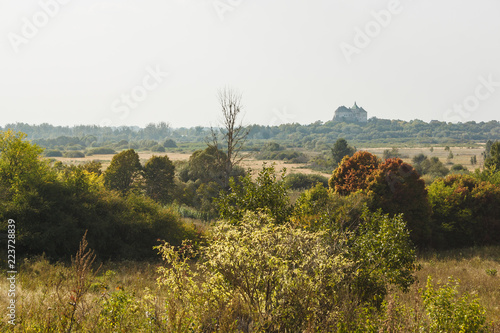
(232, 131)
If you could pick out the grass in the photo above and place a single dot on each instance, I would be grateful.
(470, 268)
(124, 295)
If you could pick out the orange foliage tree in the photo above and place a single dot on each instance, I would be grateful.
(393, 186)
(352, 173)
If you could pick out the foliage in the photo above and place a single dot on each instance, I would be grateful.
(158, 149)
(432, 166)
(21, 169)
(74, 154)
(205, 166)
(378, 244)
(285, 155)
(267, 194)
(340, 150)
(493, 159)
(169, 143)
(393, 153)
(318, 135)
(450, 313)
(55, 205)
(101, 150)
(491, 175)
(321, 209)
(159, 178)
(352, 173)
(395, 187)
(285, 278)
(52, 153)
(300, 181)
(466, 211)
(124, 169)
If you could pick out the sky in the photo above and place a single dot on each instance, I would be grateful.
(131, 62)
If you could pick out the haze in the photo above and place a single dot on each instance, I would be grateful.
(106, 62)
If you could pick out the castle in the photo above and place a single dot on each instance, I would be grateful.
(354, 114)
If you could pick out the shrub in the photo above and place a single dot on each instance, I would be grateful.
(169, 143)
(450, 313)
(74, 154)
(101, 151)
(300, 181)
(158, 149)
(466, 211)
(53, 153)
(260, 274)
(267, 194)
(395, 187)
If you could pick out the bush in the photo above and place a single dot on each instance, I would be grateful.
(395, 187)
(267, 194)
(300, 181)
(53, 153)
(466, 212)
(101, 151)
(158, 149)
(74, 154)
(262, 276)
(450, 313)
(169, 143)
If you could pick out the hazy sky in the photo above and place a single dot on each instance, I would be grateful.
(131, 62)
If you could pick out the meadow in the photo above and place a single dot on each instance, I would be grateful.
(125, 296)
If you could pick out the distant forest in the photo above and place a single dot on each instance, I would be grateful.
(316, 136)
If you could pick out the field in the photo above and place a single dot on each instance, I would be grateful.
(247, 162)
(462, 155)
(130, 290)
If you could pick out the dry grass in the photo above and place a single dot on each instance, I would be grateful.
(40, 284)
(247, 162)
(462, 155)
(470, 267)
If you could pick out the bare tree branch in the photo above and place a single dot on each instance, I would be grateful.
(233, 132)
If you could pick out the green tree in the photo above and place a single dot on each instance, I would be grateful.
(396, 187)
(159, 174)
(493, 159)
(124, 170)
(205, 165)
(20, 165)
(433, 166)
(466, 211)
(169, 143)
(340, 150)
(268, 194)
(393, 153)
